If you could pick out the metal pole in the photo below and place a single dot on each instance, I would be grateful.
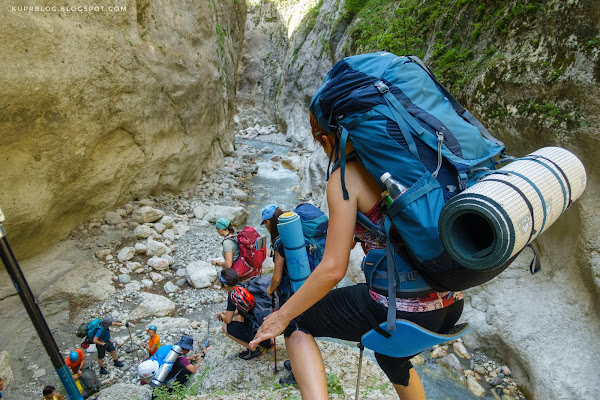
(274, 343)
(36, 316)
(361, 347)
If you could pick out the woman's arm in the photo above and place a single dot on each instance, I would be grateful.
(226, 316)
(277, 273)
(228, 255)
(194, 368)
(331, 270)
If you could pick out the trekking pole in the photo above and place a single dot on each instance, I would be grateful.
(274, 343)
(133, 345)
(361, 347)
(207, 333)
(36, 316)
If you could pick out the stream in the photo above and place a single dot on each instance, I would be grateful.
(273, 185)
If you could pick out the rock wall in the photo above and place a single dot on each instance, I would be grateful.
(103, 107)
(529, 70)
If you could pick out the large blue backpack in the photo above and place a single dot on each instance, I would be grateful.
(314, 228)
(401, 120)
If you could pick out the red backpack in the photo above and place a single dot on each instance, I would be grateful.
(253, 251)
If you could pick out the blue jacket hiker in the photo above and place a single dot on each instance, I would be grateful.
(103, 343)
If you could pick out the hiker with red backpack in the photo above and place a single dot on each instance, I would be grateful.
(241, 319)
(244, 251)
(231, 249)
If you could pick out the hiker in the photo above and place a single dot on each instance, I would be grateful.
(154, 341)
(103, 343)
(269, 219)
(317, 311)
(237, 323)
(183, 368)
(49, 394)
(231, 249)
(76, 361)
(1, 387)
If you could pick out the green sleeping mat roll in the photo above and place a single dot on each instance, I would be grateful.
(488, 223)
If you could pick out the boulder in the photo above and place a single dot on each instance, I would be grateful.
(236, 215)
(88, 284)
(126, 254)
(143, 231)
(200, 274)
(152, 305)
(155, 248)
(170, 287)
(158, 263)
(112, 218)
(147, 214)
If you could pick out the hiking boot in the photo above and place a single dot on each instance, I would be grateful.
(251, 355)
(244, 353)
(118, 363)
(287, 365)
(103, 371)
(289, 380)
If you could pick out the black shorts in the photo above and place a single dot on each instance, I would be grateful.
(341, 314)
(241, 331)
(109, 346)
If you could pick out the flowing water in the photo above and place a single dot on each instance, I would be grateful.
(274, 184)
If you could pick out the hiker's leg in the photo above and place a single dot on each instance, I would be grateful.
(101, 362)
(307, 364)
(101, 353)
(114, 354)
(239, 332)
(414, 390)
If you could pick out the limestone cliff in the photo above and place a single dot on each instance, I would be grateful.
(529, 70)
(104, 106)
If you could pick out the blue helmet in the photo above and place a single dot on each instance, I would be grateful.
(74, 356)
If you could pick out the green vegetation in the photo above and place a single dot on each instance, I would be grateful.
(220, 38)
(452, 27)
(181, 392)
(334, 385)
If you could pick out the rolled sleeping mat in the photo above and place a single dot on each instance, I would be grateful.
(493, 220)
(292, 238)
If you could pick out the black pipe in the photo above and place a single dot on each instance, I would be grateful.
(35, 314)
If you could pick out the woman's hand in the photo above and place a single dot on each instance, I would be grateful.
(214, 262)
(273, 326)
(270, 291)
(220, 315)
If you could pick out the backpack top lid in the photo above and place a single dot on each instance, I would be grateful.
(314, 221)
(346, 76)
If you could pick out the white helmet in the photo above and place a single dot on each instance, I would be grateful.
(147, 369)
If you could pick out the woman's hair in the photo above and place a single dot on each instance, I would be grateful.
(48, 390)
(230, 229)
(273, 231)
(317, 130)
(230, 276)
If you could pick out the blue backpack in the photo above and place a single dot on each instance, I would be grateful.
(401, 120)
(314, 228)
(92, 328)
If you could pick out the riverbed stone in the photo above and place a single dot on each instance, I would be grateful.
(460, 350)
(125, 391)
(143, 231)
(475, 387)
(170, 287)
(236, 215)
(147, 214)
(5, 369)
(126, 254)
(156, 248)
(152, 305)
(200, 274)
(158, 263)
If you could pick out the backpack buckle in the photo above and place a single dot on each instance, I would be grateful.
(382, 87)
(412, 276)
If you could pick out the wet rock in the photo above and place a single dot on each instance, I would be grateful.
(124, 278)
(497, 380)
(452, 362)
(438, 352)
(460, 350)
(239, 194)
(475, 387)
(153, 305)
(126, 254)
(506, 371)
(479, 369)
(147, 214)
(201, 274)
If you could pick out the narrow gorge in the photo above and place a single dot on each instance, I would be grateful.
(106, 113)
